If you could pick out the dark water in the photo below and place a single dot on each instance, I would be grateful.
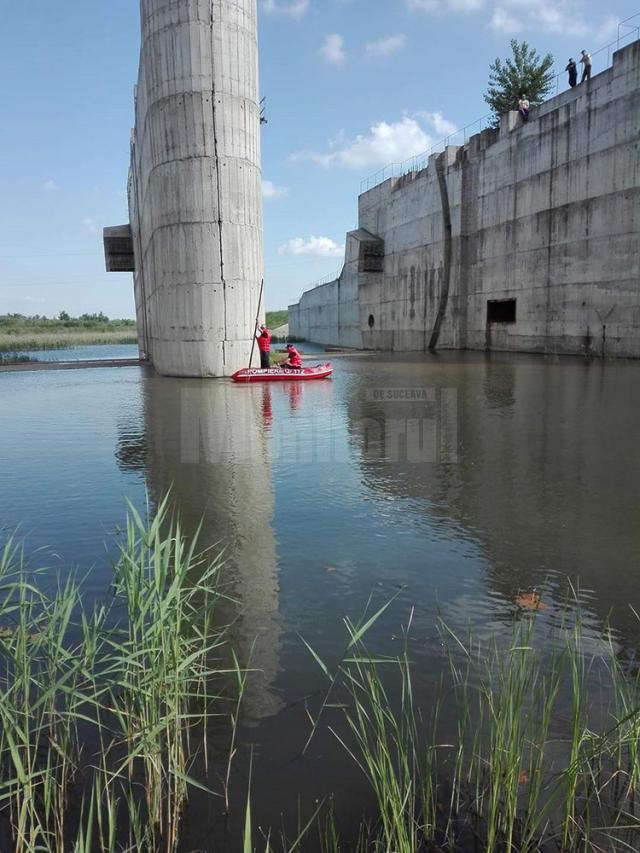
(451, 483)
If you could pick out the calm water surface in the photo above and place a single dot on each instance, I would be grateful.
(451, 483)
(89, 352)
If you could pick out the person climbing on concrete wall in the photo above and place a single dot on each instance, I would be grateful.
(572, 68)
(524, 106)
(586, 63)
(264, 345)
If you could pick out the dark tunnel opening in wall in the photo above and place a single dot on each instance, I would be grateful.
(501, 311)
(371, 321)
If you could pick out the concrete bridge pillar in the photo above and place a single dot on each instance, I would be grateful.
(195, 185)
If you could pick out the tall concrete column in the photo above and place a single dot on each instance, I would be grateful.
(195, 190)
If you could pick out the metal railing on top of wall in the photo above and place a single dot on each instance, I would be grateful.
(326, 280)
(627, 33)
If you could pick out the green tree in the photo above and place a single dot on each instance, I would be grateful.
(94, 318)
(525, 72)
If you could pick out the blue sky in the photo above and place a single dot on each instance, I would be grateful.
(350, 84)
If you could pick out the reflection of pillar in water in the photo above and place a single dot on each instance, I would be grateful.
(207, 442)
(267, 407)
(295, 395)
(447, 423)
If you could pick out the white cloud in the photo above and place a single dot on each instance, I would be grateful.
(318, 247)
(295, 9)
(89, 226)
(34, 300)
(444, 5)
(386, 142)
(50, 186)
(386, 46)
(442, 126)
(332, 51)
(503, 21)
(271, 190)
(515, 16)
(608, 29)
(510, 17)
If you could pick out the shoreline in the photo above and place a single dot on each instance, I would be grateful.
(24, 366)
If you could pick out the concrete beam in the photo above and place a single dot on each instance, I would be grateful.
(118, 249)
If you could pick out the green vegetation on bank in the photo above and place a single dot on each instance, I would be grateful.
(106, 713)
(18, 332)
(15, 358)
(546, 747)
(98, 707)
(275, 319)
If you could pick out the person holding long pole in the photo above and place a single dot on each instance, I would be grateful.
(264, 345)
(255, 328)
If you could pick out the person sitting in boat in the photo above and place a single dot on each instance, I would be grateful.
(293, 360)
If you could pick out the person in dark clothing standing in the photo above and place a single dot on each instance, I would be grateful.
(586, 62)
(264, 345)
(572, 68)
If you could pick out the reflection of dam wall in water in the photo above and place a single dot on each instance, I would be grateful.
(195, 206)
(212, 452)
(545, 477)
(524, 239)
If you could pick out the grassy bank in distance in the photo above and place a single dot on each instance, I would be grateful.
(275, 319)
(19, 333)
(16, 358)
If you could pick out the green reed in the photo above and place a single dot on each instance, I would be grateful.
(16, 358)
(527, 768)
(530, 740)
(62, 339)
(111, 707)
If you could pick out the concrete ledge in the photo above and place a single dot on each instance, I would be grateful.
(510, 121)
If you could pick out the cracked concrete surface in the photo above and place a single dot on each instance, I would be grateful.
(195, 195)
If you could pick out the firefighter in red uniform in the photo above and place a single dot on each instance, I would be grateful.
(264, 345)
(293, 360)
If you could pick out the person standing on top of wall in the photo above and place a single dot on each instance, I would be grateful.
(572, 68)
(524, 106)
(586, 62)
(264, 345)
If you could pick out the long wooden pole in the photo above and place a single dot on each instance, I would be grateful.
(255, 328)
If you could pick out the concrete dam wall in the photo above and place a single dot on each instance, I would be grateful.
(195, 236)
(526, 238)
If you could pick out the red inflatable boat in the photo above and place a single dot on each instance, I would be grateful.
(278, 374)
